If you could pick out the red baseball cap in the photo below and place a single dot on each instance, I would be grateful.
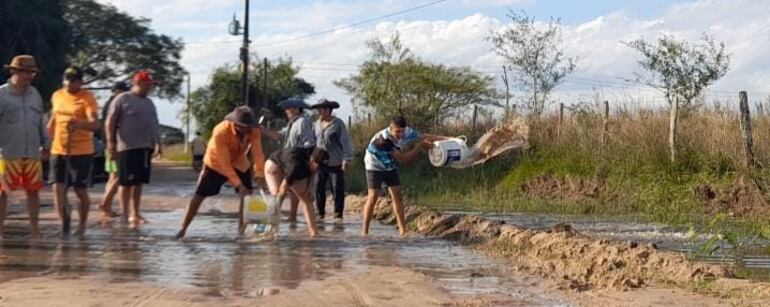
(144, 76)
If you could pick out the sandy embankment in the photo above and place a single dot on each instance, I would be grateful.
(596, 271)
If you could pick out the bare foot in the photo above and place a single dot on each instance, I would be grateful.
(180, 234)
(137, 220)
(109, 214)
(81, 229)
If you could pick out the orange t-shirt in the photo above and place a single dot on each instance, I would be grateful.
(227, 153)
(65, 107)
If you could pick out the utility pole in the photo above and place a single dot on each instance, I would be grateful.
(264, 83)
(507, 92)
(187, 133)
(235, 30)
(245, 57)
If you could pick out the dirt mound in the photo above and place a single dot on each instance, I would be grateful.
(577, 261)
(743, 198)
(557, 187)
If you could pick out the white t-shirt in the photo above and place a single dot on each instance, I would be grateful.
(379, 158)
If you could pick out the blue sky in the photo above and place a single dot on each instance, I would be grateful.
(453, 32)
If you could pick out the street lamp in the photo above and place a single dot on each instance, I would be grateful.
(189, 118)
(236, 29)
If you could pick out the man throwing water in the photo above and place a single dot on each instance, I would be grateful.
(386, 148)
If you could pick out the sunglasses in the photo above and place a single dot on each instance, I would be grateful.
(25, 71)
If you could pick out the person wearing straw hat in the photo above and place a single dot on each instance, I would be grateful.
(23, 138)
(132, 140)
(226, 160)
(333, 137)
(74, 119)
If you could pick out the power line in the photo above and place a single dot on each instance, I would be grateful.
(352, 25)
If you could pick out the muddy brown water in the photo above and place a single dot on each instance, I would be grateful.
(212, 259)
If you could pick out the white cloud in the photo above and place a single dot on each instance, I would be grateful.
(742, 25)
(495, 3)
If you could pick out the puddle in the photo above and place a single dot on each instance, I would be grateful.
(213, 260)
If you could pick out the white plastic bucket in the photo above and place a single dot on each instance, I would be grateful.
(448, 152)
(260, 209)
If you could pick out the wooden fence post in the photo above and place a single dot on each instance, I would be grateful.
(350, 121)
(748, 140)
(369, 119)
(473, 123)
(606, 124)
(561, 119)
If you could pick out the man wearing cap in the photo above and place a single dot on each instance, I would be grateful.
(226, 160)
(333, 137)
(74, 118)
(110, 166)
(132, 137)
(289, 168)
(23, 138)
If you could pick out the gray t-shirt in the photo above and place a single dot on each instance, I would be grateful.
(22, 124)
(298, 133)
(136, 121)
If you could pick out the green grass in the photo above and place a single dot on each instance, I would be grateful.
(175, 153)
(661, 194)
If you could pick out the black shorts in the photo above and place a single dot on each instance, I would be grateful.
(211, 181)
(375, 179)
(197, 158)
(79, 170)
(134, 166)
(294, 163)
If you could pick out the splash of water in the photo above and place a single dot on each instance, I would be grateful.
(510, 135)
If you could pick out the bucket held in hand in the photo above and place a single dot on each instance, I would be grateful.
(448, 152)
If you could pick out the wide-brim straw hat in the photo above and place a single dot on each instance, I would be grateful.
(293, 103)
(23, 62)
(324, 103)
(242, 116)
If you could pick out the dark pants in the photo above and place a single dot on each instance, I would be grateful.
(337, 178)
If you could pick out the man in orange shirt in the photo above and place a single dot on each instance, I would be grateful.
(226, 161)
(73, 122)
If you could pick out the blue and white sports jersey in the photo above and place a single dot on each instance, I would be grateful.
(378, 158)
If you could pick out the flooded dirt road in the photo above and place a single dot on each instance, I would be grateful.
(113, 264)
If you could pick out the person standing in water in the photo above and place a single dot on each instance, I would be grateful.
(74, 119)
(110, 166)
(333, 137)
(23, 138)
(289, 169)
(387, 148)
(226, 160)
(132, 139)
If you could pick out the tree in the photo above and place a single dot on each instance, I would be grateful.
(35, 27)
(393, 81)
(682, 71)
(535, 56)
(210, 103)
(114, 45)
